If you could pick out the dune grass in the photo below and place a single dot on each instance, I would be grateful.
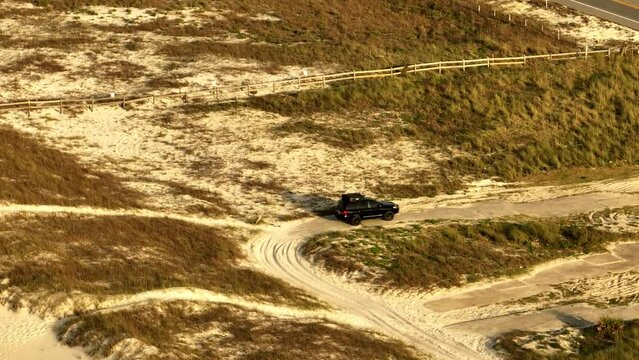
(608, 339)
(429, 256)
(355, 35)
(32, 173)
(125, 255)
(174, 328)
(352, 34)
(509, 123)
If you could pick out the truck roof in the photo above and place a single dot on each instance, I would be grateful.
(353, 197)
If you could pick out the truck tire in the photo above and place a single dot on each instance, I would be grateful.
(388, 216)
(356, 220)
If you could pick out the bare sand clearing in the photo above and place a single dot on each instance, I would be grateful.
(445, 323)
(247, 163)
(25, 336)
(591, 30)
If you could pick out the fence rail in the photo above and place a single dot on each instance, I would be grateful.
(230, 93)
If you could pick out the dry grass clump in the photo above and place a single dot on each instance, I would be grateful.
(347, 137)
(179, 330)
(121, 70)
(215, 204)
(170, 27)
(20, 13)
(38, 63)
(71, 38)
(608, 339)
(160, 4)
(125, 255)
(451, 255)
(31, 173)
(510, 123)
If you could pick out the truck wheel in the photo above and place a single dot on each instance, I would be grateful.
(388, 216)
(356, 220)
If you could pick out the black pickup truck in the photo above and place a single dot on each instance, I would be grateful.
(355, 207)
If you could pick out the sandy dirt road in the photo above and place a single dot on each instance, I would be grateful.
(278, 253)
(446, 326)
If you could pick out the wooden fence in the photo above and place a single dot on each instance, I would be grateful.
(222, 94)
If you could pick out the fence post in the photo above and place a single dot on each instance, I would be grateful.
(525, 22)
(509, 18)
(546, 3)
(415, 68)
(609, 52)
(28, 107)
(354, 75)
(440, 67)
(324, 80)
(248, 89)
(524, 59)
(273, 86)
(93, 103)
(494, 13)
(60, 106)
(557, 34)
(153, 99)
(479, 8)
(488, 61)
(299, 82)
(464, 64)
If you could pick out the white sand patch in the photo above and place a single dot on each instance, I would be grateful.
(265, 17)
(616, 221)
(553, 342)
(591, 30)
(12, 4)
(27, 337)
(118, 16)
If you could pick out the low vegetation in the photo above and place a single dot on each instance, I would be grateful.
(181, 330)
(39, 63)
(351, 34)
(445, 255)
(126, 255)
(32, 173)
(510, 123)
(608, 339)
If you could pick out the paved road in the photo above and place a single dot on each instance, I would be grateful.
(624, 12)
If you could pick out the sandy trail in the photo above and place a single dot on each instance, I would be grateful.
(9, 209)
(413, 320)
(278, 253)
(27, 337)
(118, 303)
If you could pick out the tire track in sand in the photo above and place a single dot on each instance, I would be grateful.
(278, 253)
